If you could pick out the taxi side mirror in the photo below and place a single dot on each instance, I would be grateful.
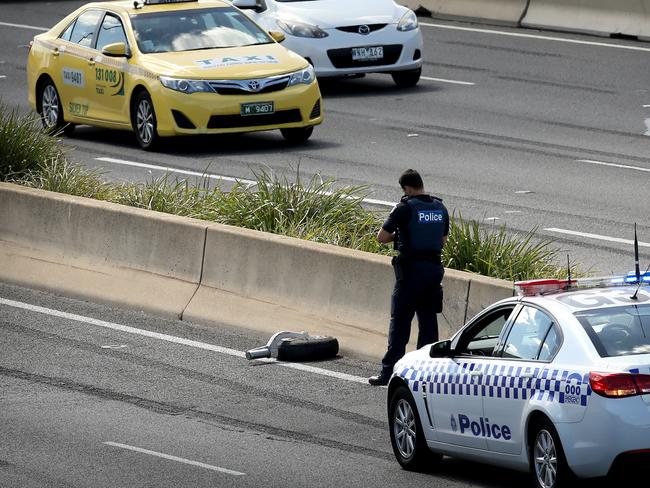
(116, 50)
(441, 349)
(277, 36)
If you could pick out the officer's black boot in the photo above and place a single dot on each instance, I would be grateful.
(381, 379)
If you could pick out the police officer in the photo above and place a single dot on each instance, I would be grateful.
(418, 226)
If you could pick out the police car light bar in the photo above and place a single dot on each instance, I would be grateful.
(547, 286)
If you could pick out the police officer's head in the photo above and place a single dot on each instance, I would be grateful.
(411, 182)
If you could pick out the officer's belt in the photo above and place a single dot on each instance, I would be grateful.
(430, 256)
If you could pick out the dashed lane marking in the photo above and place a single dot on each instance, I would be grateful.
(614, 165)
(23, 26)
(175, 458)
(443, 80)
(177, 340)
(596, 236)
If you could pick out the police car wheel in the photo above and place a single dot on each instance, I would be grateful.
(51, 110)
(313, 348)
(297, 135)
(144, 121)
(406, 434)
(406, 79)
(548, 466)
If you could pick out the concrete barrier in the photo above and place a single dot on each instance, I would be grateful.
(501, 11)
(98, 250)
(212, 273)
(602, 17)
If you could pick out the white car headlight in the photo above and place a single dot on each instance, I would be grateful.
(185, 86)
(408, 22)
(305, 77)
(300, 29)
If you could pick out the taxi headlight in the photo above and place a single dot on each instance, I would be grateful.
(300, 29)
(304, 77)
(408, 22)
(185, 86)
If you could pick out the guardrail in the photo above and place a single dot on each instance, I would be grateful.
(211, 273)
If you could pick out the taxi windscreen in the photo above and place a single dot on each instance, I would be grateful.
(188, 30)
(618, 331)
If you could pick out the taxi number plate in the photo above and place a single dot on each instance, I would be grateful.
(367, 53)
(261, 108)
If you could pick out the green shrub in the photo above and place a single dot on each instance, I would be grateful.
(491, 251)
(315, 210)
(60, 175)
(24, 144)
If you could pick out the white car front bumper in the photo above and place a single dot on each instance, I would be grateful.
(331, 56)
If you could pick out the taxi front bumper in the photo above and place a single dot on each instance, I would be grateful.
(212, 113)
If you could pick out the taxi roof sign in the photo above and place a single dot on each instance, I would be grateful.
(160, 2)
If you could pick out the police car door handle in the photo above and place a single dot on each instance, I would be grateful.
(476, 373)
(528, 375)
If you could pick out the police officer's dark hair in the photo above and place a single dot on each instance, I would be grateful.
(411, 178)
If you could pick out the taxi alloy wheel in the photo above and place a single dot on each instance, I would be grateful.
(50, 107)
(548, 465)
(406, 434)
(144, 122)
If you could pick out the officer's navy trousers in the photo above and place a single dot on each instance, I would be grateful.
(417, 287)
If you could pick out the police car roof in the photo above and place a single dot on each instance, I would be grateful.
(594, 298)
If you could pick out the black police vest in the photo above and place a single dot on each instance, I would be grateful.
(425, 230)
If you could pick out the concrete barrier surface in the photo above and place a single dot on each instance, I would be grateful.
(603, 17)
(98, 250)
(501, 11)
(212, 273)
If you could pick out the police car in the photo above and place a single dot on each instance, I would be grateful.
(169, 67)
(555, 381)
(343, 37)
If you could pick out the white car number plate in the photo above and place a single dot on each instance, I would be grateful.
(367, 53)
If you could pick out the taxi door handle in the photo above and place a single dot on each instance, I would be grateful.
(55, 51)
(91, 62)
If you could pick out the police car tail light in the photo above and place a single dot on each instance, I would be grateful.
(619, 385)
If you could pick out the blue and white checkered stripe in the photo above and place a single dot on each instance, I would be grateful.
(496, 381)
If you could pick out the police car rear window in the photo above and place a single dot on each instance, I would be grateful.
(618, 331)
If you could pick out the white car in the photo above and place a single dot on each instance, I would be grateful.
(555, 381)
(346, 37)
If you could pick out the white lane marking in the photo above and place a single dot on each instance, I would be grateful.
(443, 80)
(175, 340)
(23, 26)
(613, 165)
(250, 183)
(646, 106)
(174, 458)
(2, 76)
(533, 36)
(596, 236)
(175, 170)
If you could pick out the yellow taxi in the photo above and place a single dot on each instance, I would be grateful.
(169, 67)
